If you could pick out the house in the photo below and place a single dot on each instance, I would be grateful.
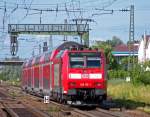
(144, 49)
(122, 51)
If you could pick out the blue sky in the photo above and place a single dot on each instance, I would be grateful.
(104, 27)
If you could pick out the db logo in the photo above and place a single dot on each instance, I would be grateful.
(85, 75)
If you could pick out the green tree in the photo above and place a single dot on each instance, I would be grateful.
(115, 41)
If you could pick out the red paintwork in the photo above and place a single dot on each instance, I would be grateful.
(86, 82)
(45, 72)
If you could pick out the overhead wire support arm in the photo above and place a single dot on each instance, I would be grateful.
(113, 10)
(14, 9)
(53, 10)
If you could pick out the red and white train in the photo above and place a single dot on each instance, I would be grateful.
(68, 73)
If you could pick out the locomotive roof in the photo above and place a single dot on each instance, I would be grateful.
(45, 57)
(68, 45)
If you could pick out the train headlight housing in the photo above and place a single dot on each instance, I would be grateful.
(98, 84)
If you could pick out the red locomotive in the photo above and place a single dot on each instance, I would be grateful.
(68, 73)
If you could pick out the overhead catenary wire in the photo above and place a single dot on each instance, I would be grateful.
(27, 10)
(48, 10)
(55, 8)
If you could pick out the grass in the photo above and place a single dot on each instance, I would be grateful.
(54, 109)
(129, 95)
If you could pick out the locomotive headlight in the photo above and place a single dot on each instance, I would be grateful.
(95, 76)
(74, 76)
(98, 84)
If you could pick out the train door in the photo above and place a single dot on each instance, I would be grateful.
(25, 77)
(51, 76)
(36, 77)
(46, 77)
(32, 77)
(41, 77)
(57, 80)
(26, 71)
(29, 77)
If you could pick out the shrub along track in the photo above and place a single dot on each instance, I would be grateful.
(54, 109)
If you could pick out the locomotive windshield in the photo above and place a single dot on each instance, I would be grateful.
(85, 60)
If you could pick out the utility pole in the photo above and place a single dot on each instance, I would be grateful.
(131, 31)
(50, 43)
(4, 16)
(41, 17)
(131, 38)
(39, 48)
(65, 37)
(33, 52)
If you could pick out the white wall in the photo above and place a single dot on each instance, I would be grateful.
(141, 51)
(141, 54)
(148, 52)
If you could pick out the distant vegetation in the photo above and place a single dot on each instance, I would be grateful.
(134, 94)
(11, 74)
(137, 72)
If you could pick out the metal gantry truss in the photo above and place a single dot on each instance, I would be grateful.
(48, 29)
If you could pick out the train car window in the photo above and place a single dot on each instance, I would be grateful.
(85, 59)
(37, 60)
(60, 54)
(76, 62)
(87, 54)
(93, 62)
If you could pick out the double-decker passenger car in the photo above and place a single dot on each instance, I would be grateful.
(68, 73)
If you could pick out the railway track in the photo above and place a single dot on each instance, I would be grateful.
(25, 105)
(10, 107)
(77, 112)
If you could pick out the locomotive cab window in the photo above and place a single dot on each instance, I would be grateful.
(93, 62)
(86, 60)
(76, 62)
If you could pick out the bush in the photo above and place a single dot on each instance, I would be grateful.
(137, 74)
(114, 74)
(145, 77)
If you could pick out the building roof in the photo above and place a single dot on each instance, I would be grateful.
(125, 48)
